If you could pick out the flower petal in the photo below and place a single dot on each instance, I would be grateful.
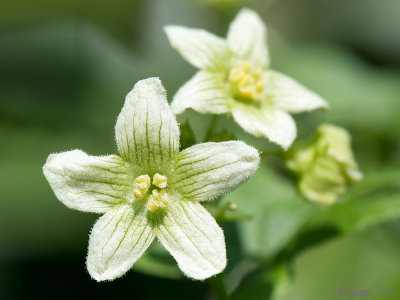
(209, 170)
(204, 92)
(194, 239)
(147, 133)
(276, 125)
(117, 241)
(88, 183)
(288, 95)
(202, 49)
(247, 38)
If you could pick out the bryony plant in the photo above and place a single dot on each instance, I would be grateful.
(151, 189)
(235, 78)
(327, 166)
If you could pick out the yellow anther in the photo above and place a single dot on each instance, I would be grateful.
(151, 204)
(160, 180)
(143, 184)
(258, 72)
(138, 194)
(246, 65)
(246, 81)
(157, 199)
(143, 181)
(163, 197)
(234, 75)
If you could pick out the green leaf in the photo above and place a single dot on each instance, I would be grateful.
(277, 211)
(376, 199)
(257, 286)
(284, 224)
(158, 262)
(349, 85)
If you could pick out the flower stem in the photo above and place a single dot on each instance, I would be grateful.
(211, 128)
(217, 284)
(221, 214)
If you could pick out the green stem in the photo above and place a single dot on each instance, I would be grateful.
(221, 212)
(234, 218)
(277, 152)
(221, 216)
(211, 128)
(217, 283)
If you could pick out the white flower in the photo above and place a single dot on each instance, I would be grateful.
(235, 78)
(151, 189)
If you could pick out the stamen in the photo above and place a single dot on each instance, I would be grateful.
(152, 204)
(138, 194)
(143, 184)
(160, 180)
(157, 199)
(245, 81)
(163, 197)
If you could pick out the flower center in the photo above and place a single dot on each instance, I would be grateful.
(157, 198)
(246, 81)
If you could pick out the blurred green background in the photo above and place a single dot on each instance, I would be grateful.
(65, 68)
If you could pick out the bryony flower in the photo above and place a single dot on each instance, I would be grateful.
(326, 167)
(235, 78)
(151, 189)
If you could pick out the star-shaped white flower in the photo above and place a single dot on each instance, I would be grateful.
(151, 189)
(235, 78)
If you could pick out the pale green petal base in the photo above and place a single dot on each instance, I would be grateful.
(194, 239)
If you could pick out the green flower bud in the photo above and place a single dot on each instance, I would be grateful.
(327, 166)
